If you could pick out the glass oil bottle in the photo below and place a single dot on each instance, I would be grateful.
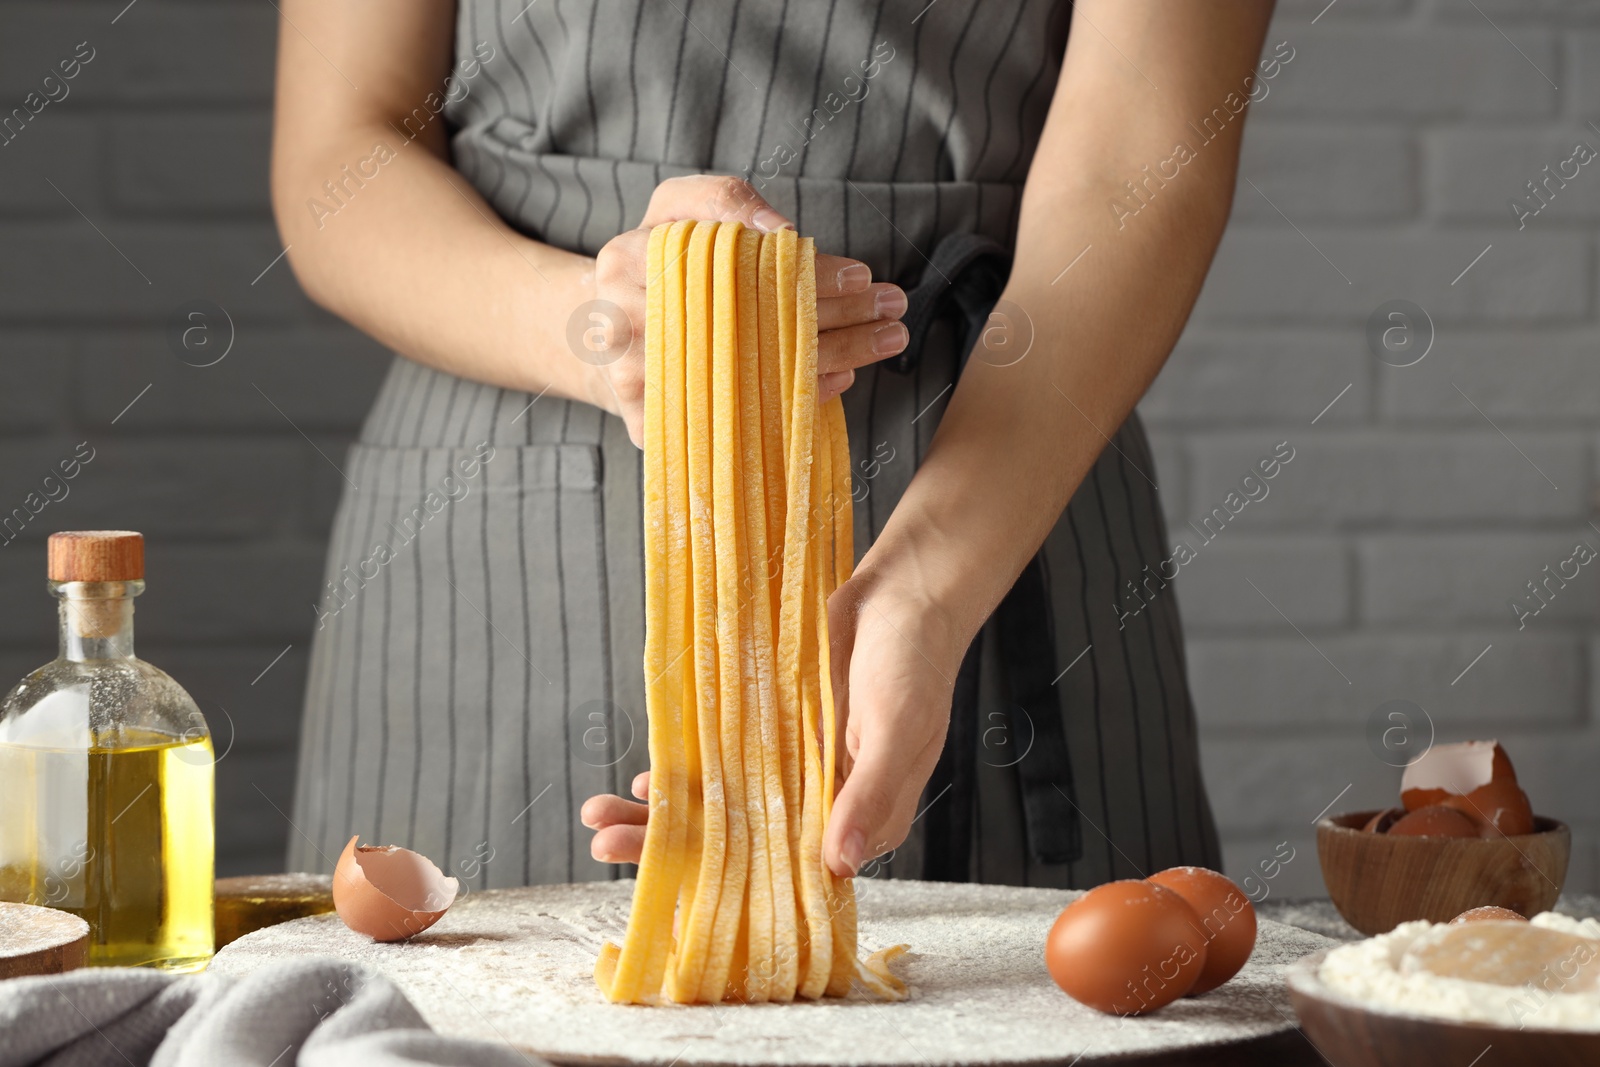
(106, 774)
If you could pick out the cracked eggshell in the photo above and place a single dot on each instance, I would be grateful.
(1474, 777)
(389, 893)
(1436, 820)
(1380, 822)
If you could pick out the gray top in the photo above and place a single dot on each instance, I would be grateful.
(844, 115)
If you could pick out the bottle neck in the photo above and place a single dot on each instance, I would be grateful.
(96, 619)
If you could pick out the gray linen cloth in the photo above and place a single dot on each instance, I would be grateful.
(308, 1012)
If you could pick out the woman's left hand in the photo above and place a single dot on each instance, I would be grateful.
(895, 657)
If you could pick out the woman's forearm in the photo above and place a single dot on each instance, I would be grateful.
(1016, 441)
(1105, 294)
(415, 238)
(382, 231)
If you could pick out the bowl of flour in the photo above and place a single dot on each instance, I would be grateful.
(1377, 1002)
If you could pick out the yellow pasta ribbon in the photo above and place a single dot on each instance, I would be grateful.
(748, 531)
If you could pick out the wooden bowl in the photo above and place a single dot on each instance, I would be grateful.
(1351, 1034)
(1378, 881)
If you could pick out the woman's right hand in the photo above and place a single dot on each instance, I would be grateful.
(618, 823)
(857, 318)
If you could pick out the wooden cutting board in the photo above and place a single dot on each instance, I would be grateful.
(516, 965)
(37, 940)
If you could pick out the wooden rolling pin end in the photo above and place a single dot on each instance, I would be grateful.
(251, 902)
(36, 940)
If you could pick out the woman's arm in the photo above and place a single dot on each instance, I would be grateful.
(414, 256)
(403, 247)
(1017, 440)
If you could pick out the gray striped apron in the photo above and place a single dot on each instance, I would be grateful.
(476, 669)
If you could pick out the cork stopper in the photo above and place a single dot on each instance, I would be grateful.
(96, 556)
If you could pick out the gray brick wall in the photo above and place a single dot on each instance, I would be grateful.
(1407, 521)
(162, 145)
(1392, 542)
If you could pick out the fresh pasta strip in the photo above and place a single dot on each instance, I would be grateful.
(634, 972)
(727, 530)
(874, 973)
(748, 531)
(837, 531)
(674, 519)
(767, 926)
(764, 526)
(696, 945)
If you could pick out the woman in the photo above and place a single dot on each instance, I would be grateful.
(476, 672)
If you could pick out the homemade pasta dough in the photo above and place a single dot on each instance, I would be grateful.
(747, 531)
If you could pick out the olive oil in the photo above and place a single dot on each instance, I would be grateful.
(106, 775)
(120, 837)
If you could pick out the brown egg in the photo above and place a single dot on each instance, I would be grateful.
(1474, 776)
(1126, 948)
(1489, 914)
(1227, 918)
(1380, 823)
(1438, 820)
(389, 893)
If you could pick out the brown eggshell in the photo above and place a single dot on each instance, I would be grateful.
(1227, 918)
(1439, 820)
(1474, 776)
(1126, 948)
(389, 893)
(1501, 807)
(1453, 771)
(1489, 914)
(1380, 823)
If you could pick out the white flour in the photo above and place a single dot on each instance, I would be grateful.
(1367, 971)
(517, 965)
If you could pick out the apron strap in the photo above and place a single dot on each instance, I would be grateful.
(962, 282)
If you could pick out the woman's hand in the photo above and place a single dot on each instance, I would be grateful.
(618, 823)
(857, 318)
(895, 657)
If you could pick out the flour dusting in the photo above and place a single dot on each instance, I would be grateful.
(516, 965)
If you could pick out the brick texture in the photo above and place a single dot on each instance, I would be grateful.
(1262, 377)
(1379, 568)
(143, 270)
(1443, 69)
(1478, 174)
(1387, 476)
(1320, 680)
(1427, 497)
(1583, 71)
(192, 164)
(1271, 274)
(1477, 577)
(1307, 579)
(141, 189)
(1519, 380)
(259, 384)
(1328, 173)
